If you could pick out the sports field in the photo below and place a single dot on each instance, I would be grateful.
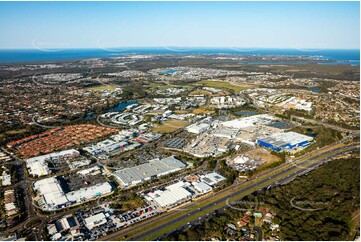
(199, 92)
(202, 111)
(170, 126)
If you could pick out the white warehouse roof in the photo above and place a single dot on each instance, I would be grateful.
(54, 196)
(198, 128)
(171, 195)
(146, 171)
(201, 187)
(95, 220)
(51, 191)
(38, 165)
(87, 193)
(212, 178)
(248, 121)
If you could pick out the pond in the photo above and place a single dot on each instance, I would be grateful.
(119, 107)
(246, 113)
(313, 89)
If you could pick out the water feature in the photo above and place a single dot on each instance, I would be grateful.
(119, 107)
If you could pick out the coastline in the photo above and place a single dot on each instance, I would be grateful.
(36, 56)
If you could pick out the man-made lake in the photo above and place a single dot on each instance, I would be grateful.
(246, 113)
(169, 72)
(313, 89)
(119, 107)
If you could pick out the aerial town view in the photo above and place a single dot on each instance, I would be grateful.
(180, 121)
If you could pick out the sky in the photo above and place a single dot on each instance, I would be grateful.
(305, 25)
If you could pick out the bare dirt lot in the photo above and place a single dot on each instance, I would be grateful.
(263, 155)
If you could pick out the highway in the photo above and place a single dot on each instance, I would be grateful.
(191, 213)
(327, 125)
(175, 219)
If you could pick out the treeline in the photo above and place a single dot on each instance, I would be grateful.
(128, 202)
(6, 137)
(213, 227)
(323, 205)
(319, 206)
(323, 137)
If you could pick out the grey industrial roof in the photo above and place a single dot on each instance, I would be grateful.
(174, 143)
(154, 167)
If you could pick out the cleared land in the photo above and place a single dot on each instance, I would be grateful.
(262, 154)
(199, 92)
(102, 88)
(222, 85)
(180, 111)
(16, 131)
(12, 132)
(170, 126)
(202, 111)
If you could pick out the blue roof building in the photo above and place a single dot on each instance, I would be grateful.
(284, 141)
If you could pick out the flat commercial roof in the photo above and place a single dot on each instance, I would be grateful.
(201, 186)
(51, 190)
(54, 155)
(146, 171)
(198, 127)
(95, 220)
(38, 165)
(226, 132)
(174, 143)
(86, 193)
(282, 139)
(54, 195)
(212, 178)
(248, 121)
(171, 195)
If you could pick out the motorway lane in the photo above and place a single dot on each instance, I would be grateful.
(223, 201)
(217, 204)
(211, 204)
(327, 125)
(24, 183)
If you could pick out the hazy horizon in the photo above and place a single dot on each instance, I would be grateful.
(262, 25)
(186, 47)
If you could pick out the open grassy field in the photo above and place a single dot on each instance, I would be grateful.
(199, 92)
(16, 131)
(170, 126)
(202, 111)
(180, 111)
(222, 85)
(101, 88)
(12, 132)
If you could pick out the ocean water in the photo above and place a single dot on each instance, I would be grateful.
(37, 55)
